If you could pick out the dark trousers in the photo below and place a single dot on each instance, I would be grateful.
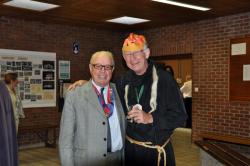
(136, 155)
(188, 106)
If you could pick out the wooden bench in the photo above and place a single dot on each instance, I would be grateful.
(223, 153)
(42, 131)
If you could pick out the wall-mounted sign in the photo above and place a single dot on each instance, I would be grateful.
(64, 70)
(246, 72)
(238, 49)
(76, 48)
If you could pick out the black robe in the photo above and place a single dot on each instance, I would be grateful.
(8, 138)
(169, 114)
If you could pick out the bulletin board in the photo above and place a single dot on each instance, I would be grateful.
(36, 74)
(240, 69)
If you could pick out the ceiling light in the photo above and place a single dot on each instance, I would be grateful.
(31, 5)
(127, 20)
(183, 5)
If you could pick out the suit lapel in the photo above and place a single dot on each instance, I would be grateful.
(93, 99)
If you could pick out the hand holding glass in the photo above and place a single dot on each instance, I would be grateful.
(133, 107)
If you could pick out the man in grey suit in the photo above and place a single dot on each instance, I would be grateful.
(93, 123)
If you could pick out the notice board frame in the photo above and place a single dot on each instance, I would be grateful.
(239, 90)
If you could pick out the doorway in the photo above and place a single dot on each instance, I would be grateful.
(181, 65)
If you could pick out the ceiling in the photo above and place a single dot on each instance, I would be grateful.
(93, 13)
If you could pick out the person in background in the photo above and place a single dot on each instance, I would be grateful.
(169, 69)
(153, 104)
(186, 90)
(8, 138)
(92, 130)
(11, 81)
(179, 81)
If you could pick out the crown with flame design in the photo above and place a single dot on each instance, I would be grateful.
(134, 42)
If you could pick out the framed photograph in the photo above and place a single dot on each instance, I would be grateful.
(48, 85)
(49, 65)
(48, 75)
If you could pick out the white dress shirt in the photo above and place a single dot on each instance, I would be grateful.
(186, 89)
(115, 130)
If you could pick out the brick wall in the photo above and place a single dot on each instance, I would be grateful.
(38, 36)
(209, 42)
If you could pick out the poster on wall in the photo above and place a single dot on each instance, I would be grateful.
(36, 74)
(64, 70)
(246, 72)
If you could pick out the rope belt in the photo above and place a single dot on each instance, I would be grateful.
(159, 148)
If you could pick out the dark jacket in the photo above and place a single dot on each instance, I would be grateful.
(8, 138)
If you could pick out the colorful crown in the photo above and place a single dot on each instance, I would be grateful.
(134, 42)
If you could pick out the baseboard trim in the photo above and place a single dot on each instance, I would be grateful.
(37, 145)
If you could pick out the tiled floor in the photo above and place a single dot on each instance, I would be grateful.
(39, 157)
(186, 153)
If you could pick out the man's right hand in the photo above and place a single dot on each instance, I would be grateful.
(77, 83)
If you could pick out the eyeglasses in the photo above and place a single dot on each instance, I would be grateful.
(100, 67)
(135, 53)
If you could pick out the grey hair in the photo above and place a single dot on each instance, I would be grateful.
(99, 53)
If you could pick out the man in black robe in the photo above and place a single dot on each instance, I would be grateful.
(153, 104)
(8, 138)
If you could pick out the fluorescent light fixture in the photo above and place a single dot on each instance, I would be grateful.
(183, 5)
(31, 5)
(127, 20)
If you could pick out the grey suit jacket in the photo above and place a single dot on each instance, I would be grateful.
(84, 127)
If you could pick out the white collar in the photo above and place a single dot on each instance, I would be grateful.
(99, 87)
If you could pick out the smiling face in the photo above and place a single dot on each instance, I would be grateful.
(136, 52)
(137, 60)
(101, 67)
